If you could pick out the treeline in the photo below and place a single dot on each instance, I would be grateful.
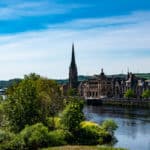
(36, 115)
(6, 84)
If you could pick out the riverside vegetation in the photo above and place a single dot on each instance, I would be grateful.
(36, 116)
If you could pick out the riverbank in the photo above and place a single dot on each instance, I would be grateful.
(83, 148)
(133, 124)
(143, 103)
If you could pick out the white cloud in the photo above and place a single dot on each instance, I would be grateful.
(32, 8)
(48, 51)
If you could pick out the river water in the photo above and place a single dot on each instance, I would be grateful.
(133, 132)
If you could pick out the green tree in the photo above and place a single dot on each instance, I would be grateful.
(1, 115)
(31, 101)
(71, 92)
(129, 93)
(73, 115)
(1, 99)
(146, 94)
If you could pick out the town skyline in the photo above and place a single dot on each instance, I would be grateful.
(37, 37)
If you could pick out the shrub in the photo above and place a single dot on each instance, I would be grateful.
(88, 133)
(91, 133)
(59, 137)
(5, 136)
(8, 141)
(129, 94)
(17, 143)
(54, 123)
(146, 94)
(110, 126)
(35, 136)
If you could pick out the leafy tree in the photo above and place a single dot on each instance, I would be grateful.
(146, 94)
(1, 98)
(73, 115)
(1, 115)
(71, 92)
(31, 101)
(129, 93)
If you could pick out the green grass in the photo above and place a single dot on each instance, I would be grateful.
(83, 148)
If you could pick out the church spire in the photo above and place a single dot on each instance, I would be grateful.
(73, 63)
(73, 74)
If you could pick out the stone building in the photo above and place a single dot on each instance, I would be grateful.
(103, 86)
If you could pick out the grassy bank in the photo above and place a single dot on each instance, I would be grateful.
(83, 148)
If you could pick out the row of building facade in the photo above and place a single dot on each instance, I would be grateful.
(103, 86)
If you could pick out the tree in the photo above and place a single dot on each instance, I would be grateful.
(129, 93)
(1, 115)
(31, 101)
(146, 94)
(73, 115)
(71, 92)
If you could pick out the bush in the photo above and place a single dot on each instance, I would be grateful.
(54, 123)
(88, 133)
(35, 136)
(59, 137)
(91, 133)
(110, 126)
(5, 136)
(146, 94)
(17, 143)
(129, 94)
(6, 139)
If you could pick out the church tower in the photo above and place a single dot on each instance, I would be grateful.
(73, 74)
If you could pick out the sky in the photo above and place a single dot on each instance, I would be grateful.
(37, 36)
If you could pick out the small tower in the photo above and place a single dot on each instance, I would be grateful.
(73, 74)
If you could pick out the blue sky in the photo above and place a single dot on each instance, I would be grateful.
(36, 36)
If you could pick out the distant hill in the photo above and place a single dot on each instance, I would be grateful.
(6, 84)
(84, 78)
(143, 75)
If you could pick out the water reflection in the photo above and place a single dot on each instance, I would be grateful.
(134, 124)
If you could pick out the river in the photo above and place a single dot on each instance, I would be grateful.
(133, 132)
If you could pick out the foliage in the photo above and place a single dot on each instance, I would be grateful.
(35, 136)
(72, 116)
(31, 101)
(110, 126)
(1, 99)
(1, 114)
(129, 93)
(3, 119)
(91, 133)
(5, 136)
(146, 94)
(16, 143)
(54, 123)
(58, 137)
(71, 92)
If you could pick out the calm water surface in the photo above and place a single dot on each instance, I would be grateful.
(134, 125)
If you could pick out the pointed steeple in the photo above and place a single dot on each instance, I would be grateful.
(73, 74)
(73, 63)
